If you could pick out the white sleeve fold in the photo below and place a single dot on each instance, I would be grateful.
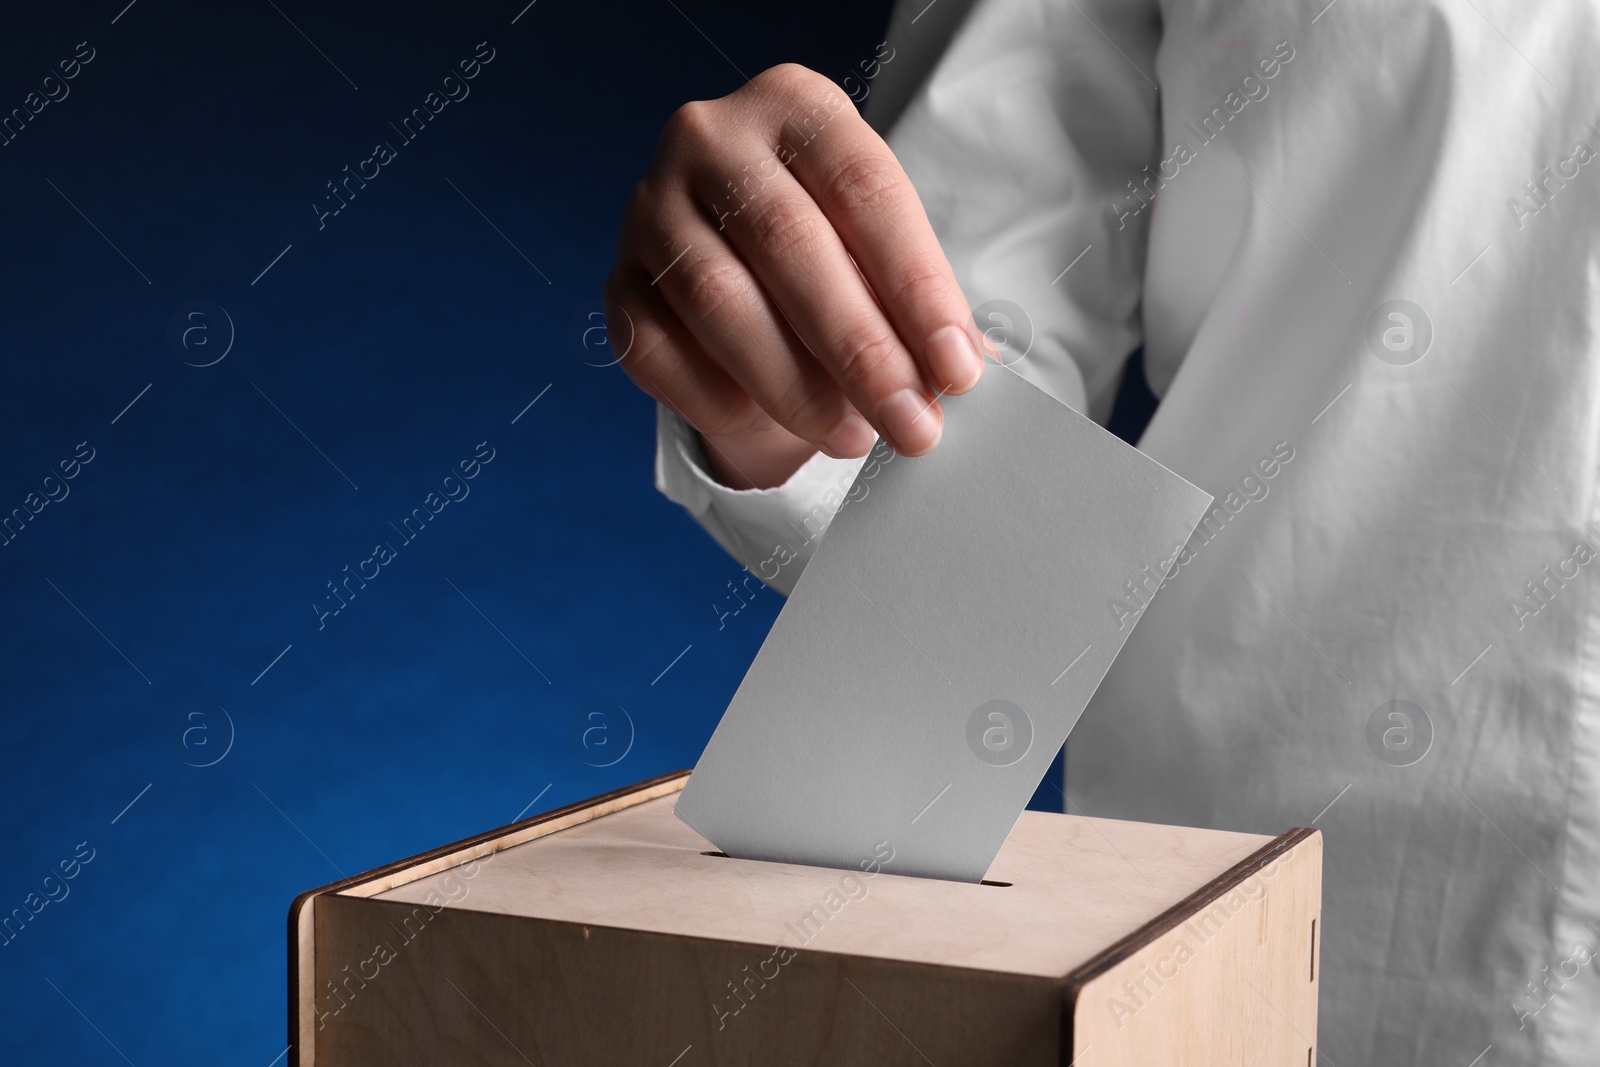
(771, 532)
(1027, 142)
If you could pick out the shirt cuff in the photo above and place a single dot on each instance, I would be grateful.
(771, 532)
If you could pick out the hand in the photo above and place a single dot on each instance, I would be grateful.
(785, 289)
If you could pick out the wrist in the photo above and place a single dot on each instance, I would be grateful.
(755, 460)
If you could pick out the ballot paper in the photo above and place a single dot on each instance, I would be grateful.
(954, 621)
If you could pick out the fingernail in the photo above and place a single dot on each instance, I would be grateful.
(852, 438)
(952, 360)
(912, 422)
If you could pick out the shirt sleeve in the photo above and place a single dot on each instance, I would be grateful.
(771, 532)
(1030, 142)
(1023, 126)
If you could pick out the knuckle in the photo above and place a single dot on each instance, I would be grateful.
(650, 366)
(648, 369)
(864, 352)
(711, 286)
(695, 123)
(808, 118)
(790, 79)
(803, 411)
(785, 230)
(805, 100)
(866, 181)
(921, 285)
(731, 417)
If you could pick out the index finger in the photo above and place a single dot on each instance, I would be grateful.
(854, 177)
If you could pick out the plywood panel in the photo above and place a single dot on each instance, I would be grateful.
(1077, 885)
(302, 925)
(478, 988)
(1231, 980)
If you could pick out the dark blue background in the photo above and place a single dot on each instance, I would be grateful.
(189, 552)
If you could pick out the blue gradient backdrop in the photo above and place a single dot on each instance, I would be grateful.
(159, 614)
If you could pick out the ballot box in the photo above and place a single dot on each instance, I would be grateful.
(610, 933)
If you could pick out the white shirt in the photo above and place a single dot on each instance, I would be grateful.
(1430, 537)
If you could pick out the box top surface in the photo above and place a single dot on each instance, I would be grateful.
(1077, 886)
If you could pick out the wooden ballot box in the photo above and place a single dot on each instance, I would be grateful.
(609, 932)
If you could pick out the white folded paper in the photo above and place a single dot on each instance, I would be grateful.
(943, 640)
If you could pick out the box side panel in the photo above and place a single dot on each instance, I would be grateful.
(398, 984)
(1232, 981)
(304, 911)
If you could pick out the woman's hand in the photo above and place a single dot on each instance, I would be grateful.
(784, 287)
